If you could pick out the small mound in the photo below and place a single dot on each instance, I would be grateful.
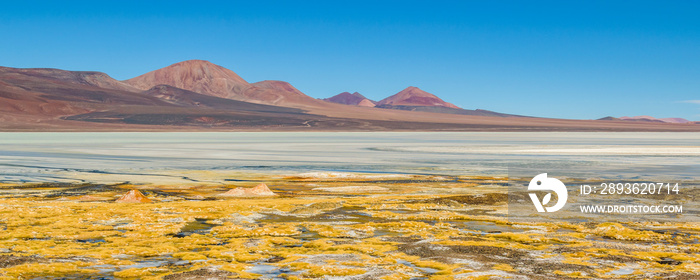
(134, 196)
(259, 190)
(352, 189)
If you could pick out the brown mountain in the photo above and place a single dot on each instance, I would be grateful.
(276, 93)
(88, 78)
(413, 96)
(195, 75)
(204, 77)
(652, 119)
(648, 119)
(355, 98)
(186, 98)
(53, 99)
(48, 93)
(417, 100)
(59, 100)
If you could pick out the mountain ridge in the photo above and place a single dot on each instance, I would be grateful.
(45, 99)
(207, 78)
(645, 118)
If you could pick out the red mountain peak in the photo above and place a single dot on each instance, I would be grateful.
(413, 96)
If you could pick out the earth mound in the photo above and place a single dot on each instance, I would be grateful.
(134, 196)
(259, 190)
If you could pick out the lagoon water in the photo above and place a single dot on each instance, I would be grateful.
(75, 157)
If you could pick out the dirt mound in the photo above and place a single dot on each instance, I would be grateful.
(259, 190)
(134, 196)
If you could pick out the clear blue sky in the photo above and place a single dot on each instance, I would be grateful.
(568, 59)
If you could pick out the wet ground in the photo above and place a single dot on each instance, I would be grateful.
(348, 206)
(419, 227)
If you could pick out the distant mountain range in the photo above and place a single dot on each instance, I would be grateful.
(199, 95)
(650, 119)
(411, 99)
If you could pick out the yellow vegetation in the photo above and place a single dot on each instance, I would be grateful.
(73, 238)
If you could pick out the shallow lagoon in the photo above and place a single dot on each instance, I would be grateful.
(153, 157)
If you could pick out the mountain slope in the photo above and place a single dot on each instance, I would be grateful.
(649, 119)
(276, 93)
(347, 98)
(417, 100)
(89, 78)
(59, 100)
(54, 92)
(206, 78)
(186, 98)
(447, 110)
(199, 76)
(413, 96)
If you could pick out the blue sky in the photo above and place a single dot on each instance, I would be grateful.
(566, 59)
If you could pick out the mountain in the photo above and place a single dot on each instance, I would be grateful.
(206, 78)
(347, 98)
(186, 98)
(57, 100)
(641, 119)
(50, 99)
(194, 75)
(48, 93)
(413, 96)
(652, 119)
(88, 78)
(446, 110)
(417, 100)
(674, 120)
(277, 93)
